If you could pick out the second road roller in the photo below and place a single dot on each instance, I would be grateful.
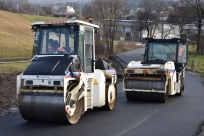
(161, 73)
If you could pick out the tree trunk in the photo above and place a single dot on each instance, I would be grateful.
(181, 30)
(199, 38)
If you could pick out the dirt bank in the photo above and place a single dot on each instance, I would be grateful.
(8, 91)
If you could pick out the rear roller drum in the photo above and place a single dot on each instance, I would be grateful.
(110, 96)
(145, 96)
(130, 95)
(161, 97)
(77, 113)
(138, 96)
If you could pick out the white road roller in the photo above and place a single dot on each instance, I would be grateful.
(160, 74)
(64, 80)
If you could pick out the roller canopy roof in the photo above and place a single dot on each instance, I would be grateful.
(59, 22)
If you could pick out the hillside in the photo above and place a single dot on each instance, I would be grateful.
(16, 41)
(16, 38)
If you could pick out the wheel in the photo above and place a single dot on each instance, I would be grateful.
(165, 95)
(162, 97)
(181, 91)
(181, 88)
(77, 113)
(110, 93)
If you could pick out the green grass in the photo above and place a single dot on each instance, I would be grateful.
(200, 62)
(36, 18)
(199, 58)
(192, 48)
(13, 67)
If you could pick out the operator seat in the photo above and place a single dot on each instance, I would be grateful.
(101, 64)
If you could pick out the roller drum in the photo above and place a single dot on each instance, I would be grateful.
(145, 85)
(148, 95)
(41, 107)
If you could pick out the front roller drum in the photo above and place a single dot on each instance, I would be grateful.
(41, 108)
(48, 108)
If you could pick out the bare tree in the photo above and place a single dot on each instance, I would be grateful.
(2, 4)
(181, 15)
(149, 21)
(197, 9)
(24, 6)
(149, 15)
(87, 11)
(6, 5)
(27, 7)
(171, 30)
(107, 12)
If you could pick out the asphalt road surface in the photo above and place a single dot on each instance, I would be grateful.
(131, 55)
(180, 116)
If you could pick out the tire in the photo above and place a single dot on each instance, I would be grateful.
(182, 88)
(163, 97)
(181, 91)
(166, 95)
(110, 105)
(77, 113)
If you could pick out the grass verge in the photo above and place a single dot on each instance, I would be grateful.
(199, 64)
(13, 67)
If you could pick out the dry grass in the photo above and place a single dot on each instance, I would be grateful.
(124, 47)
(16, 38)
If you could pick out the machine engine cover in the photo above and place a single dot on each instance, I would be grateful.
(51, 65)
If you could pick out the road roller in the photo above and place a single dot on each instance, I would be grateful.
(64, 79)
(160, 74)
